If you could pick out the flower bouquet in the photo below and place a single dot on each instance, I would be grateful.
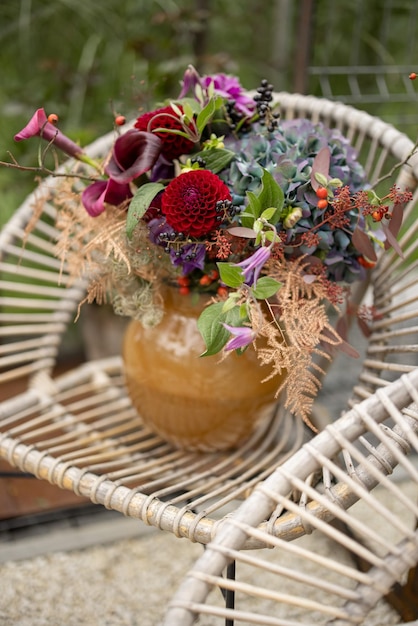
(213, 194)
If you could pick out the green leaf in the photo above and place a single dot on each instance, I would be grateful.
(210, 326)
(188, 111)
(207, 112)
(266, 287)
(270, 196)
(267, 214)
(231, 275)
(139, 204)
(252, 210)
(216, 159)
(172, 132)
(189, 104)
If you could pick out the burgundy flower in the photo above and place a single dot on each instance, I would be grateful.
(134, 153)
(38, 126)
(189, 202)
(173, 145)
(102, 192)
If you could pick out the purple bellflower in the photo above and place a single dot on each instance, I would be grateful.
(254, 264)
(242, 337)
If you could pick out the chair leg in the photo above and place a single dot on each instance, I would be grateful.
(230, 593)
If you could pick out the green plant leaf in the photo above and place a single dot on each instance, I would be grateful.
(216, 159)
(270, 196)
(210, 325)
(207, 112)
(266, 287)
(139, 204)
(252, 210)
(231, 275)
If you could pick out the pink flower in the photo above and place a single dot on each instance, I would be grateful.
(230, 88)
(39, 126)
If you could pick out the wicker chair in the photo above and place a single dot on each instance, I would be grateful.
(79, 430)
(355, 557)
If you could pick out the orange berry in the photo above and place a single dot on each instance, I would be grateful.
(222, 292)
(365, 262)
(183, 281)
(184, 290)
(52, 118)
(120, 120)
(205, 280)
(413, 75)
(322, 192)
(378, 215)
(322, 204)
(213, 274)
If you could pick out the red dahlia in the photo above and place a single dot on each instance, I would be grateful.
(189, 202)
(173, 145)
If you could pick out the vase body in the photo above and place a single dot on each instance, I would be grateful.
(193, 402)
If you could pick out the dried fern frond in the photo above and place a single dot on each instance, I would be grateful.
(295, 336)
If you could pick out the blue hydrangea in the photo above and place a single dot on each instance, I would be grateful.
(288, 154)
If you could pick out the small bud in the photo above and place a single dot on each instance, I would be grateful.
(293, 217)
(120, 120)
(413, 75)
(52, 118)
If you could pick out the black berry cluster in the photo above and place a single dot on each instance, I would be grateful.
(263, 98)
(235, 117)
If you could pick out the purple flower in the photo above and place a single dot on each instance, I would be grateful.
(230, 88)
(190, 80)
(253, 265)
(242, 337)
(190, 257)
(38, 126)
(102, 192)
(134, 153)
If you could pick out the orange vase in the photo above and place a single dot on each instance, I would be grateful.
(193, 402)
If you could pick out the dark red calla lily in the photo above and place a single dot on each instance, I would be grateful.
(134, 153)
(102, 192)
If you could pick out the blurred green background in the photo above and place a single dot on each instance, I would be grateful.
(83, 59)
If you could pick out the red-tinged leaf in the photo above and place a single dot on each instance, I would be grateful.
(364, 327)
(320, 165)
(342, 327)
(242, 231)
(396, 219)
(363, 244)
(348, 350)
(392, 241)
